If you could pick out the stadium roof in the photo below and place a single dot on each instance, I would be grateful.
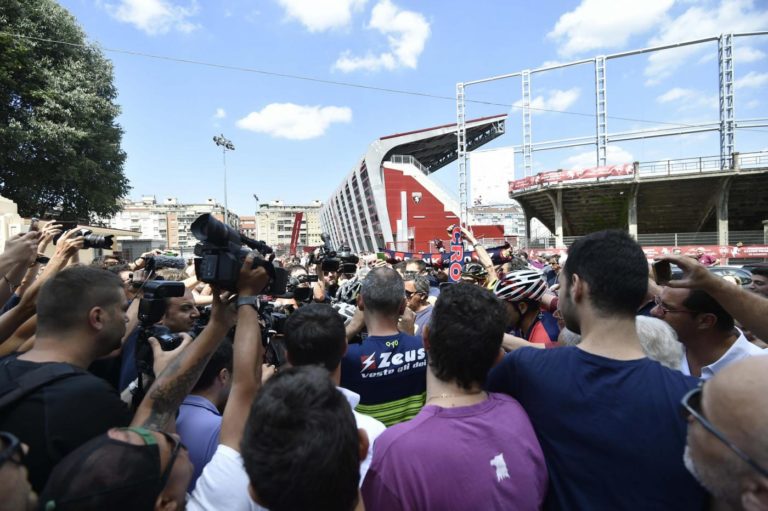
(436, 147)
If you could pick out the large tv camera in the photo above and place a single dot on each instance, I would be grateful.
(341, 260)
(220, 255)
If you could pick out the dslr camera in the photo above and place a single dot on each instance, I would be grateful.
(90, 240)
(151, 310)
(220, 255)
(341, 261)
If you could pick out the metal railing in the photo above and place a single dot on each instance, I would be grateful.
(408, 159)
(661, 168)
(669, 239)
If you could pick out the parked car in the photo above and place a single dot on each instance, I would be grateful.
(733, 271)
(751, 266)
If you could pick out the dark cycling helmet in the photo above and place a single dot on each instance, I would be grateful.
(475, 271)
(520, 285)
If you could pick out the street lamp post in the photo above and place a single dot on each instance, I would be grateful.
(226, 145)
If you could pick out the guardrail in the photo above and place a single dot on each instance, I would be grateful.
(640, 170)
(675, 239)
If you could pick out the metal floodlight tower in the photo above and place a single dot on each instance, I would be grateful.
(226, 145)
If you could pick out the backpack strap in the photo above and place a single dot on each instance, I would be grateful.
(35, 379)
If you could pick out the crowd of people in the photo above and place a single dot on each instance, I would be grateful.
(574, 382)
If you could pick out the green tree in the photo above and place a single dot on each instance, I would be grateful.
(59, 142)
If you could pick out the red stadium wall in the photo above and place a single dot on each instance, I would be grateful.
(428, 218)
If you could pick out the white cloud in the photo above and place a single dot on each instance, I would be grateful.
(614, 155)
(318, 16)
(598, 24)
(753, 104)
(689, 99)
(744, 54)
(752, 80)
(730, 16)
(294, 122)
(407, 33)
(155, 16)
(220, 114)
(559, 100)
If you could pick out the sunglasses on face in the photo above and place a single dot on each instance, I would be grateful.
(691, 405)
(13, 450)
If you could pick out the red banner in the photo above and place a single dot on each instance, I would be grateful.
(558, 176)
(295, 231)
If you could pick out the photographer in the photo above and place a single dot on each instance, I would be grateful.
(154, 469)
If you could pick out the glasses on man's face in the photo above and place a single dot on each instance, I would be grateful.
(409, 294)
(691, 405)
(177, 445)
(664, 310)
(13, 450)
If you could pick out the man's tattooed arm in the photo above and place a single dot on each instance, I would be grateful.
(166, 395)
(158, 408)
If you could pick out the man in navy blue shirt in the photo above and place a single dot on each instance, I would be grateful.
(389, 368)
(606, 416)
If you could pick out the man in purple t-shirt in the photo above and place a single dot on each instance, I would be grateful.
(466, 449)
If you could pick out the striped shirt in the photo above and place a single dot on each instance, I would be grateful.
(389, 373)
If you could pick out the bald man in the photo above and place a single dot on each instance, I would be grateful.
(734, 403)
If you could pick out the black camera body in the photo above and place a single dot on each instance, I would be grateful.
(341, 261)
(151, 310)
(220, 255)
(168, 341)
(90, 240)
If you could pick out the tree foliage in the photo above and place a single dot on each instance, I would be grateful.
(59, 141)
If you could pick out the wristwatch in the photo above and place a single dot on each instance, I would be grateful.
(253, 301)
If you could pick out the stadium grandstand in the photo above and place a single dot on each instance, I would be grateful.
(388, 200)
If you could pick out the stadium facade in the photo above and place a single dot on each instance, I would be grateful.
(388, 201)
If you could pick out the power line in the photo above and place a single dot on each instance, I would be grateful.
(276, 74)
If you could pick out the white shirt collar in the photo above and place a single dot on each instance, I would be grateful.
(742, 348)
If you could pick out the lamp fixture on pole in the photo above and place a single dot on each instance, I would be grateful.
(226, 145)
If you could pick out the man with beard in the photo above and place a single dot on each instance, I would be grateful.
(80, 318)
(605, 415)
(727, 447)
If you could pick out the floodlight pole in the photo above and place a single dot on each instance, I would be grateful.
(225, 144)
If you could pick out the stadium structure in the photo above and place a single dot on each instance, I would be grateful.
(719, 200)
(388, 200)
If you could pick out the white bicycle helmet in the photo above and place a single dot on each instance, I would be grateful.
(345, 310)
(349, 290)
(520, 285)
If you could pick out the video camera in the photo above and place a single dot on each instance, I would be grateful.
(341, 261)
(220, 255)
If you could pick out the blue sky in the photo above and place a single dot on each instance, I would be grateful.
(295, 140)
